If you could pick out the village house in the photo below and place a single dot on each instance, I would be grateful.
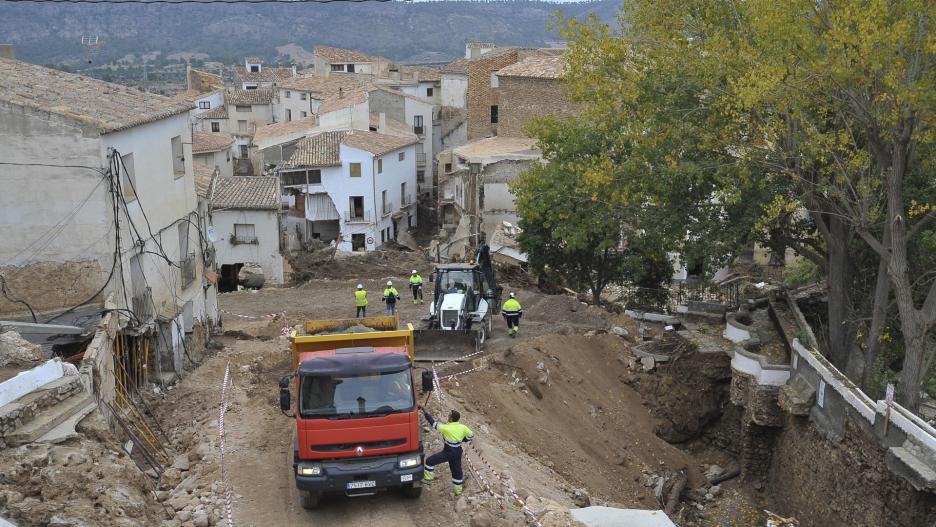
(531, 88)
(253, 75)
(418, 113)
(330, 61)
(71, 146)
(213, 150)
(245, 222)
(301, 97)
(247, 110)
(213, 120)
(353, 187)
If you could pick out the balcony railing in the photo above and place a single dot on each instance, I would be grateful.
(406, 201)
(188, 270)
(421, 159)
(357, 217)
(418, 130)
(143, 305)
(387, 208)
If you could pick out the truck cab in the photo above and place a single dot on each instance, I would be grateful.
(357, 422)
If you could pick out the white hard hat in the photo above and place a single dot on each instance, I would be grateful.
(389, 283)
(513, 295)
(414, 271)
(360, 286)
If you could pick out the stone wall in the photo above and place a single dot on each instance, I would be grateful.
(522, 99)
(845, 482)
(481, 96)
(16, 414)
(48, 286)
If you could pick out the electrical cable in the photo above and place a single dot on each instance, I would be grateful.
(6, 293)
(149, 227)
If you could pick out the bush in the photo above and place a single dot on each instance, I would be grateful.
(801, 272)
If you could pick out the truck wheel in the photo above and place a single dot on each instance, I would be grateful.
(482, 334)
(412, 492)
(310, 500)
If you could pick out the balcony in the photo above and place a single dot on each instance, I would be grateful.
(357, 217)
(143, 305)
(421, 159)
(387, 208)
(418, 130)
(188, 270)
(406, 201)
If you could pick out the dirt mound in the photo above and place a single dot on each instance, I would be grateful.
(565, 309)
(382, 262)
(88, 480)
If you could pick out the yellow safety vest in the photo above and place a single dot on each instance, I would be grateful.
(360, 298)
(454, 434)
(512, 307)
(415, 280)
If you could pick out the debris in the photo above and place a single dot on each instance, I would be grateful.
(461, 505)
(581, 498)
(672, 499)
(713, 471)
(647, 363)
(17, 351)
(619, 331)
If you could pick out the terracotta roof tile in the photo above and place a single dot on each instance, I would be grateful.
(394, 127)
(319, 150)
(267, 135)
(203, 175)
(218, 112)
(109, 107)
(274, 75)
(425, 73)
(457, 66)
(326, 86)
(375, 143)
(249, 97)
(347, 99)
(246, 192)
(331, 54)
(537, 67)
(210, 142)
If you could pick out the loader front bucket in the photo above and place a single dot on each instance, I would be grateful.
(445, 345)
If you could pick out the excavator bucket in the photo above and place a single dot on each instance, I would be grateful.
(445, 345)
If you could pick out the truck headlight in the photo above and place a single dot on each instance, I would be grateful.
(309, 470)
(410, 461)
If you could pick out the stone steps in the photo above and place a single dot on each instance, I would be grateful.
(16, 413)
(49, 418)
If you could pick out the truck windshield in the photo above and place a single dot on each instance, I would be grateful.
(459, 281)
(357, 395)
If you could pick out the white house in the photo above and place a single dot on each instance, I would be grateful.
(353, 186)
(70, 145)
(245, 219)
(301, 97)
(416, 112)
(213, 150)
(253, 75)
(330, 61)
(247, 110)
(455, 84)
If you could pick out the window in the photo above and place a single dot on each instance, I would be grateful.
(244, 233)
(255, 68)
(357, 208)
(303, 114)
(418, 124)
(384, 202)
(350, 68)
(240, 108)
(303, 177)
(494, 82)
(382, 235)
(287, 94)
(243, 150)
(127, 177)
(288, 114)
(178, 157)
(355, 169)
(204, 105)
(215, 126)
(337, 67)
(403, 194)
(494, 114)
(402, 156)
(242, 126)
(421, 176)
(429, 92)
(250, 86)
(380, 166)
(448, 167)
(186, 260)
(303, 96)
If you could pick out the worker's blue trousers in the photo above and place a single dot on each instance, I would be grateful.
(452, 456)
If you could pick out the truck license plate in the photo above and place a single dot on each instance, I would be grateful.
(361, 484)
(405, 478)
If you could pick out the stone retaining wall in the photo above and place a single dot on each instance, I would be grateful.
(21, 411)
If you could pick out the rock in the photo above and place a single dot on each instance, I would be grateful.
(647, 363)
(619, 331)
(178, 503)
(171, 523)
(461, 505)
(181, 462)
(709, 497)
(61, 520)
(580, 498)
(715, 490)
(17, 351)
(713, 471)
(481, 519)
(128, 500)
(183, 516)
(200, 519)
(171, 477)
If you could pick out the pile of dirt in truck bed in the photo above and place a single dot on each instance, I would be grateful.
(86, 480)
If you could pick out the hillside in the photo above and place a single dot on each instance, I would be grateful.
(420, 31)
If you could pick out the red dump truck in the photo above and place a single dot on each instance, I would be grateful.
(357, 422)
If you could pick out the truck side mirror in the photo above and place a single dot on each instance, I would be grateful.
(285, 396)
(427, 384)
(489, 294)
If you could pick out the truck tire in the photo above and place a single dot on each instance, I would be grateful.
(412, 492)
(310, 500)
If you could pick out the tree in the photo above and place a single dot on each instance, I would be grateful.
(818, 116)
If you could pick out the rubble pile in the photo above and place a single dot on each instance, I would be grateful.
(17, 351)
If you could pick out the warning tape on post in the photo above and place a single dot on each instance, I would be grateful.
(228, 494)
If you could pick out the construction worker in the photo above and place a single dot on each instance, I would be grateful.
(512, 313)
(454, 434)
(415, 283)
(360, 301)
(390, 296)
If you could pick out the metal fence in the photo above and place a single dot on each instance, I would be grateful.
(666, 299)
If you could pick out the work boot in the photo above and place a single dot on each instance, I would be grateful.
(458, 490)
(415, 301)
(427, 476)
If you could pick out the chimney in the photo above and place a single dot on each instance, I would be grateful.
(8, 51)
(294, 70)
(381, 123)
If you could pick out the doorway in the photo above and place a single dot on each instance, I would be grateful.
(357, 242)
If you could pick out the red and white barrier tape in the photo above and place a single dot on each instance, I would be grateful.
(459, 374)
(506, 484)
(228, 495)
(460, 359)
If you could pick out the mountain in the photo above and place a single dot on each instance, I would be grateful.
(426, 31)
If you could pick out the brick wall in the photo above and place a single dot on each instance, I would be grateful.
(522, 99)
(480, 94)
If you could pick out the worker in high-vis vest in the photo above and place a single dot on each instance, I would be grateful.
(390, 296)
(454, 434)
(512, 313)
(415, 283)
(360, 301)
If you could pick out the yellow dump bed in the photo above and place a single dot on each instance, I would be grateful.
(386, 334)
